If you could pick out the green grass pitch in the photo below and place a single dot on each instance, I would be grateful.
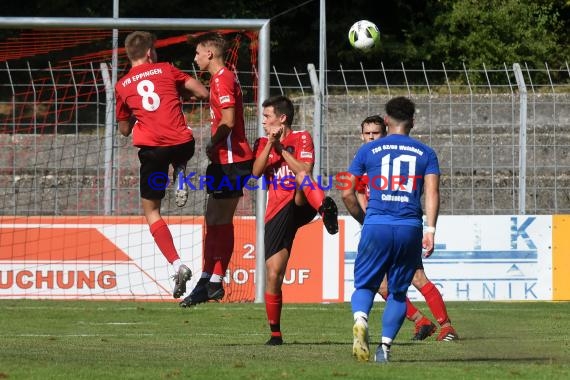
(142, 340)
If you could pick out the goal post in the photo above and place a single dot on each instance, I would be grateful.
(261, 26)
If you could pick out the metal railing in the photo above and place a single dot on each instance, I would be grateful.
(52, 159)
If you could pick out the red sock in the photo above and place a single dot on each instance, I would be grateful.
(220, 244)
(435, 302)
(314, 197)
(211, 241)
(225, 247)
(411, 310)
(273, 305)
(163, 238)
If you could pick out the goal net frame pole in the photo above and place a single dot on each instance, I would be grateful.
(259, 25)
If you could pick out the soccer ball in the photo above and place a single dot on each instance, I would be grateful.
(363, 35)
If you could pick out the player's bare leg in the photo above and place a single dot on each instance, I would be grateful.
(163, 239)
(220, 238)
(218, 248)
(436, 304)
(423, 327)
(275, 268)
(309, 191)
(180, 187)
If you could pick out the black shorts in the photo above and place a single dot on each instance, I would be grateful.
(155, 161)
(281, 229)
(225, 181)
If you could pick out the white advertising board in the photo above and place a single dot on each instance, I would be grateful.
(498, 257)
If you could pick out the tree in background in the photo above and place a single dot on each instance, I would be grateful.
(411, 31)
(493, 32)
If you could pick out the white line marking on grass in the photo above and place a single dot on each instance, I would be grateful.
(221, 335)
(52, 307)
(123, 335)
(114, 323)
(176, 308)
(70, 335)
(256, 306)
(500, 309)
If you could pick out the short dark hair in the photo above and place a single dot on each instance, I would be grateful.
(401, 109)
(374, 119)
(213, 40)
(138, 43)
(282, 105)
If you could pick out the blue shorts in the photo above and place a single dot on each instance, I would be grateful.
(387, 249)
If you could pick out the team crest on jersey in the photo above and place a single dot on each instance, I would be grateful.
(224, 99)
(306, 155)
(290, 149)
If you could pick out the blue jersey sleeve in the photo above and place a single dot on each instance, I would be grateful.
(357, 166)
(432, 163)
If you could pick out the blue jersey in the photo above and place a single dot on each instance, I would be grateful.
(396, 166)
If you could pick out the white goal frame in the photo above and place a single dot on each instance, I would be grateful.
(259, 25)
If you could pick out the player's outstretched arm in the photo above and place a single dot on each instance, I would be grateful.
(362, 199)
(262, 156)
(296, 166)
(349, 198)
(125, 127)
(197, 90)
(431, 191)
(227, 122)
(261, 159)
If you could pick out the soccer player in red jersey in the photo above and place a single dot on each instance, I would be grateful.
(149, 106)
(373, 128)
(231, 160)
(285, 158)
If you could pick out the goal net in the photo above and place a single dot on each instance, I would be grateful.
(70, 223)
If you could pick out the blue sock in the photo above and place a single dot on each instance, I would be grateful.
(362, 300)
(394, 314)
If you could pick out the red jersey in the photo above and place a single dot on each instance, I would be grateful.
(149, 92)
(225, 92)
(279, 179)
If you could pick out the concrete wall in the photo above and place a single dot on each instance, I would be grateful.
(476, 138)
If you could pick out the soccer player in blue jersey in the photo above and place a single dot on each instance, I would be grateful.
(400, 170)
(372, 128)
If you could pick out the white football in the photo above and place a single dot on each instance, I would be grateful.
(364, 35)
